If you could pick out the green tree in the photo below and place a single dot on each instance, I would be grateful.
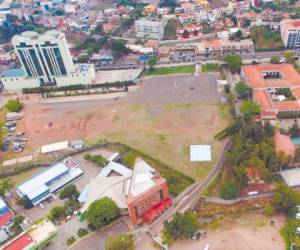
(289, 56)
(285, 198)
(181, 226)
(275, 59)
(229, 191)
(71, 240)
(13, 105)
(25, 202)
(57, 212)
(17, 222)
(269, 210)
(122, 241)
(82, 232)
(249, 108)
(101, 213)
(152, 63)
(5, 185)
(234, 62)
(243, 90)
(118, 47)
(69, 191)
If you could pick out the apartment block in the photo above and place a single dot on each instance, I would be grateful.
(150, 28)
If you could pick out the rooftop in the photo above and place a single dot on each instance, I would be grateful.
(291, 24)
(21, 242)
(255, 78)
(13, 73)
(5, 218)
(141, 178)
(38, 181)
(291, 177)
(284, 144)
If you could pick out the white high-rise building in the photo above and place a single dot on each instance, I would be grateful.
(148, 28)
(46, 61)
(290, 33)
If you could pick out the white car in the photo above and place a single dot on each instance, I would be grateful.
(298, 231)
(297, 216)
(207, 246)
(41, 205)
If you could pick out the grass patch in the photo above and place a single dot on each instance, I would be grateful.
(172, 70)
(265, 39)
(210, 67)
(177, 181)
(224, 111)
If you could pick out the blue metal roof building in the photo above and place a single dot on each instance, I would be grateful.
(41, 185)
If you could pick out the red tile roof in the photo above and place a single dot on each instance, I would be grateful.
(4, 219)
(287, 105)
(262, 99)
(283, 143)
(253, 172)
(20, 243)
(296, 93)
(253, 74)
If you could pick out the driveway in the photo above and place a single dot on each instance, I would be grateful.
(96, 241)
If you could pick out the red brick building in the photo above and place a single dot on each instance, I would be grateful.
(148, 194)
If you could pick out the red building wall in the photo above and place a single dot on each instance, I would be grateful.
(138, 206)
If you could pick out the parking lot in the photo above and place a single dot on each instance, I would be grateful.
(14, 141)
(178, 89)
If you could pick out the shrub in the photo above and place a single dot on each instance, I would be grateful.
(57, 213)
(229, 191)
(71, 240)
(13, 105)
(97, 159)
(69, 191)
(82, 232)
(269, 210)
(17, 222)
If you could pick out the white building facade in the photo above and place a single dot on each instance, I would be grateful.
(46, 61)
(147, 28)
(290, 33)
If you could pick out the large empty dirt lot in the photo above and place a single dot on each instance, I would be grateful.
(162, 118)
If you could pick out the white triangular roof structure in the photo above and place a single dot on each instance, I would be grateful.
(141, 178)
(113, 187)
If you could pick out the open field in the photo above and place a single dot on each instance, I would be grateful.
(248, 232)
(162, 118)
(172, 70)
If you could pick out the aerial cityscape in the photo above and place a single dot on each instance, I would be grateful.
(150, 124)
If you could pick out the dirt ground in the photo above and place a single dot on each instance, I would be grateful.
(162, 118)
(251, 232)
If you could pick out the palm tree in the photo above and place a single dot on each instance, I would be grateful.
(5, 185)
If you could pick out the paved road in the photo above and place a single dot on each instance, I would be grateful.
(189, 200)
